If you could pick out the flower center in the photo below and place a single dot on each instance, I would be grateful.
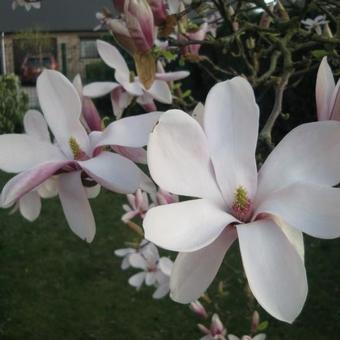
(77, 152)
(241, 204)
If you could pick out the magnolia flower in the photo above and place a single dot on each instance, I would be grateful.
(138, 205)
(27, 3)
(164, 197)
(123, 92)
(217, 330)
(159, 11)
(315, 24)
(126, 252)
(198, 309)
(266, 211)
(77, 158)
(198, 35)
(155, 270)
(327, 93)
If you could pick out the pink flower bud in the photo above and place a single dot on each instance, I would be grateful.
(91, 115)
(140, 24)
(255, 321)
(199, 309)
(119, 5)
(195, 35)
(159, 11)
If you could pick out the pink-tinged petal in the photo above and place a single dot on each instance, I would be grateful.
(131, 131)
(76, 206)
(147, 102)
(112, 57)
(99, 89)
(178, 157)
(129, 216)
(275, 271)
(35, 125)
(30, 206)
(137, 155)
(310, 208)
(137, 280)
(161, 92)
(61, 106)
(28, 180)
(193, 273)
(48, 189)
(19, 152)
(140, 23)
(334, 105)
(172, 76)
(91, 115)
(120, 100)
(113, 172)
(186, 226)
(231, 123)
(324, 89)
(309, 153)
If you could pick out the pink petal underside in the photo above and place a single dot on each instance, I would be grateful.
(28, 180)
(137, 155)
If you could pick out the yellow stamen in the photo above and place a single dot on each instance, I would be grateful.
(75, 148)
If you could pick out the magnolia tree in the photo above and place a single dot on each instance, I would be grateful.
(208, 185)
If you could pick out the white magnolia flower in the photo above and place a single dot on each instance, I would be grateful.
(155, 270)
(126, 252)
(315, 24)
(76, 157)
(327, 93)
(28, 4)
(126, 88)
(265, 211)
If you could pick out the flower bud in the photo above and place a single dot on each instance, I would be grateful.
(140, 24)
(199, 309)
(159, 11)
(119, 5)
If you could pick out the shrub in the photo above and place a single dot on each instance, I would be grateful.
(13, 103)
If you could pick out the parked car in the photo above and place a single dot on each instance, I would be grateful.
(32, 66)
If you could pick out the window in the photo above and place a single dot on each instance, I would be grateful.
(88, 49)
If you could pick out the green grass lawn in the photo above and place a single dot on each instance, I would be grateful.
(55, 286)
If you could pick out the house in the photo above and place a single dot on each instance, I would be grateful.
(70, 26)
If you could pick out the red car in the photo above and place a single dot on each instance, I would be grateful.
(32, 66)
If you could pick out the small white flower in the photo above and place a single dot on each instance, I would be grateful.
(28, 4)
(315, 24)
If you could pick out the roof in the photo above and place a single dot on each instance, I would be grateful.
(54, 15)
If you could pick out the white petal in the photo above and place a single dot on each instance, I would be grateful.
(93, 192)
(161, 291)
(30, 206)
(137, 155)
(150, 253)
(334, 105)
(275, 271)
(124, 251)
(22, 152)
(112, 57)
(178, 157)
(76, 206)
(99, 89)
(131, 131)
(231, 122)
(310, 208)
(198, 113)
(61, 106)
(193, 273)
(113, 172)
(165, 265)
(137, 280)
(138, 261)
(35, 125)
(309, 153)
(160, 91)
(150, 279)
(324, 89)
(172, 76)
(125, 263)
(186, 226)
